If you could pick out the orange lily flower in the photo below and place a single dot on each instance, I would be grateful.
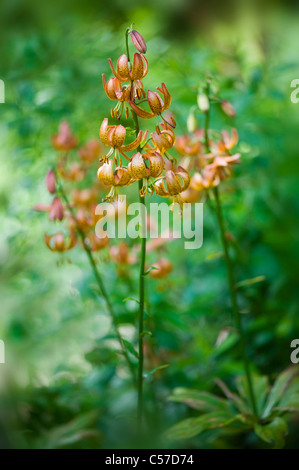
(138, 168)
(90, 151)
(114, 137)
(124, 74)
(163, 268)
(156, 104)
(57, 241)
(64, 140)
(176, 182)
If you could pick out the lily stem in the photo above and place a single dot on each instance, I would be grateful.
(229, 266)
(140, 410)
(100, 282)
(233, 296)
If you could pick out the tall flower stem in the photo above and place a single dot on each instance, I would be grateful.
(100, 282)
(141, 274)
(141, 294)
(231, 280)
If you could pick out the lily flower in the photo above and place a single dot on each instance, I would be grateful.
(155, 102)
(221, 168)
(58, 242)
(227, 142)
(119, 177)
(114, 137)
(163, 268)
(173, 183)
(164, 139)
(96, 243)
(146, 165)
(64, 140)
(123, 72)
(90, 151)
(123, 94)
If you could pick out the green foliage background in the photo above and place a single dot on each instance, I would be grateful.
(67, 385)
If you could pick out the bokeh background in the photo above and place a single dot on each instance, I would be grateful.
(67, 384)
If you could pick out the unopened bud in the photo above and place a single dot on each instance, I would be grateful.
(191, 123)
(203, 102)
(51, 182)
(56, 211)
(138, 41)
(228, 108)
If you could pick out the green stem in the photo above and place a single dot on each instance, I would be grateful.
(141, 296)
(141, 276)
(234, 301)
(231, 280)
(141, 311)
(99, 281)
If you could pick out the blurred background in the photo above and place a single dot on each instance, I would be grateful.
(67, 384)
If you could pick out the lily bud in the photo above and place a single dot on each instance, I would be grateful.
(191, 123)
(56, 211)
(228, 108)
(203, 102)
(138, 41)
(51, 182)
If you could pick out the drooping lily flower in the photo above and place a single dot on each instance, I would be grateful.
(176, 181)
(64, 140)
(221, 168)
(163, 267)
(119, 177)
(123, 94)
(114, 137)
(164, 139)
(126, 74)
(155, 102)
(146, 165)
(96, 243)
(58, 242)
(90, 151)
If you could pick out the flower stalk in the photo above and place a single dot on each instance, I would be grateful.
(141, 278)
(231, 280)
(99, 280)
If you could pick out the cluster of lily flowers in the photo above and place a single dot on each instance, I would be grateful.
(151, 161)
(208, 169)
(79, 210)
(79, 213)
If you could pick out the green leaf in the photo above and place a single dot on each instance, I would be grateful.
(260, 387)
(279, 389)
(153, 371)
(200, 400)
(130, 348)
(146, 333)
(149, 270)
(131, 298)
(273, 433)
(250, 282)
(193, 426)
(72, 432)
(238, 402)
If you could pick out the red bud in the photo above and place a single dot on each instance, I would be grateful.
(138, 41)
(51, 182)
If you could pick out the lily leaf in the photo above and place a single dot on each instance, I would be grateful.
(273, 433)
